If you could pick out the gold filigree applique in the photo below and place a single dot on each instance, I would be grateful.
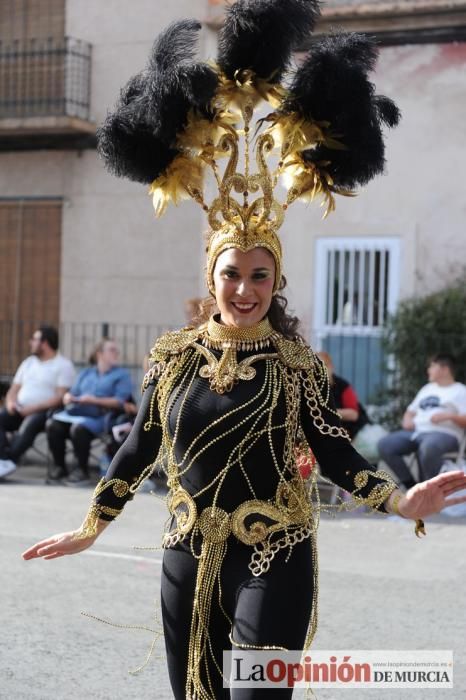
(290, 507)
(120, 488)
(225, 372)
(89, 526)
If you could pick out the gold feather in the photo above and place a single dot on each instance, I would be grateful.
(246, 90)
(183, 179)
(305, 181)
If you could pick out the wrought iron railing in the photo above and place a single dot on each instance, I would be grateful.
(45, 77)
(361, 361)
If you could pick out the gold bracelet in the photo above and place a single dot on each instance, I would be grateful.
(395, 502)
(419, 527)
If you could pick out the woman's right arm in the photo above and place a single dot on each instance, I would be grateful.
(64, 543)
(130, 465)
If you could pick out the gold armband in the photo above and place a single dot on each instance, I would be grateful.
(90, 522)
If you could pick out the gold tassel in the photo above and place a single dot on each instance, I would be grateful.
(419, 528)
(210, 562)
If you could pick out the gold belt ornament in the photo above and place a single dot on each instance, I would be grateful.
(291, 507)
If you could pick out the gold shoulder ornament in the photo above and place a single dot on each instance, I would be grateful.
(172, 343)
(294, 353)
(168, 345)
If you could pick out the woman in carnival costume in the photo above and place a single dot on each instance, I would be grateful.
(230, 404)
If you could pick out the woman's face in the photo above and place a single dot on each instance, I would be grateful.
(244, 285)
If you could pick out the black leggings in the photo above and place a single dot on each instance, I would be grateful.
(26, 430)
(81, 438)
(271, 609)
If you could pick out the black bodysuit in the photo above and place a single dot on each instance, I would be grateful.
(226, 450)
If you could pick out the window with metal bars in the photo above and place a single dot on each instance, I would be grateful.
(357, 282)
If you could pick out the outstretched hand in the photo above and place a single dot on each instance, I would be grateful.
(58, 546)
(431, 496)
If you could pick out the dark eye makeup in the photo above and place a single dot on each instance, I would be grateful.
(232, 273)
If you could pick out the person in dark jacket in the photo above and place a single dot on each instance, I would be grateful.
(352, 413)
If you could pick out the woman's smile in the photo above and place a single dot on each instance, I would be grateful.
(243, 307)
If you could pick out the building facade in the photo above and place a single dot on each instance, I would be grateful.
(83, 249)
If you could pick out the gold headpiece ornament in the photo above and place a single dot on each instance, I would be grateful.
(245, 214)
(178, 118)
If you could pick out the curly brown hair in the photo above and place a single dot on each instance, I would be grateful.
(281, 321)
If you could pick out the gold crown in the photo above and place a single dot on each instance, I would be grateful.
(245, 214)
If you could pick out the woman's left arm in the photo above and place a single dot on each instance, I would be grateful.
(331, 444)
(339, 461)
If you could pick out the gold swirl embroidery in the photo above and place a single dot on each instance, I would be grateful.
(120, 487)
(290, 508)
(183, 508)
(379, 493)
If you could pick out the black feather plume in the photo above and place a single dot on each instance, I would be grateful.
(260, 34)
(175, 83)
(387, 110)
(132, 149)
(138, 139)
(332, 85)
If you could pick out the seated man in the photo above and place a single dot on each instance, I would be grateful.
(39, 385)
(100, 390)
(433, 424)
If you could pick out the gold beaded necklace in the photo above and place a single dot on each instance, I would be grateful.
(218, 336)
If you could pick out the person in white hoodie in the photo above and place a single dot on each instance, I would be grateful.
(433, 424)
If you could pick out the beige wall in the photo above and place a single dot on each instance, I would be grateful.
(119, 262)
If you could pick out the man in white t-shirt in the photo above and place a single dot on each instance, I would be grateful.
(39, 385)
(433, 424)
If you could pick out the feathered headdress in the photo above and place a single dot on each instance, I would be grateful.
(180, 117)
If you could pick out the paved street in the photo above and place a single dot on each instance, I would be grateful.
(380, 588)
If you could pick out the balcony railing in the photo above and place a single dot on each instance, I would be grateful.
(45, 77)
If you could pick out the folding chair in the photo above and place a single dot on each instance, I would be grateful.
(456, 456)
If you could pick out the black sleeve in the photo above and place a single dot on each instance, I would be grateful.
(337, 458)
(133, 461)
